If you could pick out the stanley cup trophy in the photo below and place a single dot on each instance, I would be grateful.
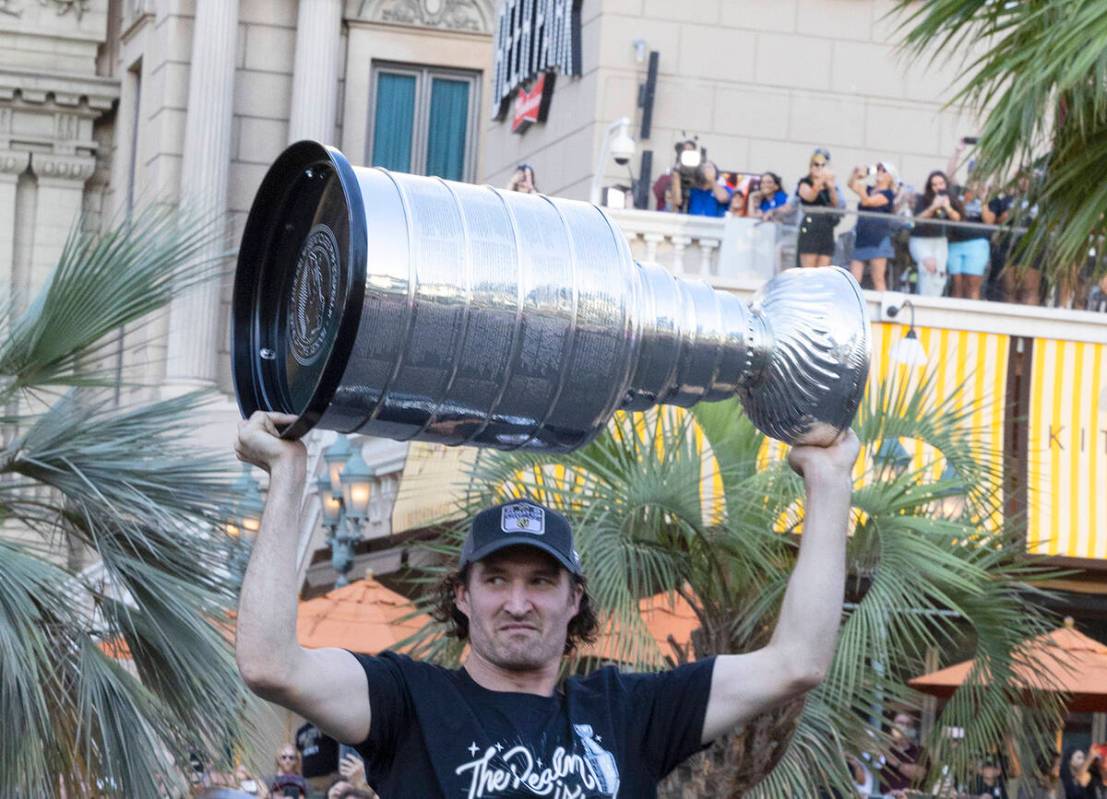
(415, 308)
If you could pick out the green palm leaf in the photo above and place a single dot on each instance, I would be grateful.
(1040, 83)
(111, 675)
(920, 578)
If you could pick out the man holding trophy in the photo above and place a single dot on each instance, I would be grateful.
(550, 328)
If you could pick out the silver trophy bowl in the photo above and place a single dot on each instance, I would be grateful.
(413, 308)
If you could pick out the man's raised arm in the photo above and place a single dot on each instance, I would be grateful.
(803, 643)
(325, 686)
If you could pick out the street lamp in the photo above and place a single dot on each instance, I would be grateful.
(357, 482)
(344, 492)
(335, 457)
(245, 516)
(892, 453)
(244, 519)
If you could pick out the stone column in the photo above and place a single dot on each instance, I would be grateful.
(59, 201)
(196, 317)
(12, 165)
(315, 74)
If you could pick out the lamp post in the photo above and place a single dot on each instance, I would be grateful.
(356, 485)
(344, 492)
(244, 519)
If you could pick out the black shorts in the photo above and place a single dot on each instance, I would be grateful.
(816, 235)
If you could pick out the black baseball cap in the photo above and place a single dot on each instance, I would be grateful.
(521, 523)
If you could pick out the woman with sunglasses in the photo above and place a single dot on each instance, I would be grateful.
(287, 781)
(817, 189)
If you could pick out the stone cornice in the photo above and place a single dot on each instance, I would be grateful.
(63, 167)
(13, 162)
(62, 89)
(469, 16)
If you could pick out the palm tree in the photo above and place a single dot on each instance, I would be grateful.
(112, 674)
(1035, 71)
(695, 503)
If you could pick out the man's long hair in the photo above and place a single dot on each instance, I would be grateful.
(582, 627)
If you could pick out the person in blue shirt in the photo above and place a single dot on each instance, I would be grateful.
(708, 197)
(872, 238)
(769, 197)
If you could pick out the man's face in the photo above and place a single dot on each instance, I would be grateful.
(902, 728)
(519, 602)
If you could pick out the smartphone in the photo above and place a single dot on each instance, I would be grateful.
(970, 139)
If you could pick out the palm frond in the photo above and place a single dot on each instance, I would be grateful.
(102, 282)
(1040, 83)
(110, 674)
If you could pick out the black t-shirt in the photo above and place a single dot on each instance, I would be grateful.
(891, 778)
(925, 228)
(436, 734)
(318, 751)
(974, 212)
(871, 231)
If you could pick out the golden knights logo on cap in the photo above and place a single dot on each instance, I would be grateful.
(523, 517)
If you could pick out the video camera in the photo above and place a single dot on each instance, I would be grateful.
(688, 168)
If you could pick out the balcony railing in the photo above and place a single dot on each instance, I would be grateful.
(708, 247)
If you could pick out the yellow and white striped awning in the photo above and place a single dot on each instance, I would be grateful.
(974, 362)
(1067, 449)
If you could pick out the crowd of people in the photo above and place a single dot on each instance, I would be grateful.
(950, 238)
(344, 778)
(902, 773)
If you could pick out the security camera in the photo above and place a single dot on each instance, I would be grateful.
(622, 148)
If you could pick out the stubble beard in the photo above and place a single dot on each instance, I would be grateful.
(518, 653)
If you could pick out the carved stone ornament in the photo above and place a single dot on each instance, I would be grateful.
(475, 16)
(13, 7)
(13, 162)
(78, 7)
(65, 167)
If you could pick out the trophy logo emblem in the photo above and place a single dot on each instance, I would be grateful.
(312, 299)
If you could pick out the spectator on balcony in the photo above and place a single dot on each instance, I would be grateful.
(928, 245)
(818, 190)
(873, 236)
(523, 180)
(1022, 282)
(769, 196)
(970, 249)
(708, 196)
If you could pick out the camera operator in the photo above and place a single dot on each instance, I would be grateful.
(695, 187)
(708, 196)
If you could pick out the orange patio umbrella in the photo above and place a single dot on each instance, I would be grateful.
(665, 615)
(363, 616)
(1064, 660)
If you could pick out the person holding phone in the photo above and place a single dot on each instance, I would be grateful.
(817, 189)
(872, 240)
(522, 180)
(928, 244)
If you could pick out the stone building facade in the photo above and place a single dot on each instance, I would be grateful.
(106, 105)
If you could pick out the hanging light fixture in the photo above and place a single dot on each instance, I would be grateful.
(908, 350)
(357, 485)
(335, 457)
